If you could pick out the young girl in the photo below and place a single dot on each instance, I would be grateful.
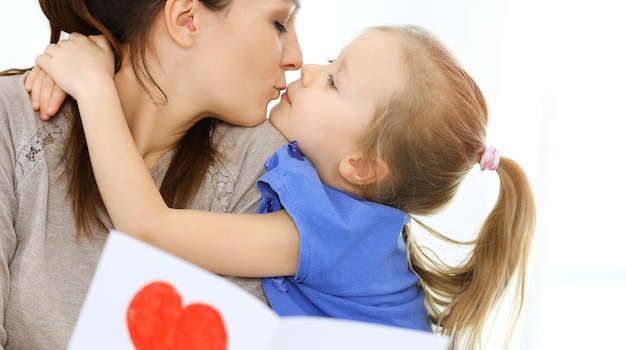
(389, 128)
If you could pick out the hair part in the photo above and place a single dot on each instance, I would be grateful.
(431, 134)
(127, 25)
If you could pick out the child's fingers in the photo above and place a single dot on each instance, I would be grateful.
(42, 61)
(55, 102)
(51, 49)
(31, 77)
(46, 56)
(35, 88)
(33, 84)
(45, 94)
(45, 60)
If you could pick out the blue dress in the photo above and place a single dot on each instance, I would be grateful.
(353, 261)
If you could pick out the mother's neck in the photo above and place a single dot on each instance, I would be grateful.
(154, 122)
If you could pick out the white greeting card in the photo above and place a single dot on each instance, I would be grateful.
(143, 298)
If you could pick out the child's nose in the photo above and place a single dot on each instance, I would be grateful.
(308, 73)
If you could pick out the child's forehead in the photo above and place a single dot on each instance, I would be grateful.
(372, 47)
(372, 65)
(372, 41)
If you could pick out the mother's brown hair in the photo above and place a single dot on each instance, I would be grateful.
(128, 23)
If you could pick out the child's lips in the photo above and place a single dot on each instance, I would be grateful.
(285, 97)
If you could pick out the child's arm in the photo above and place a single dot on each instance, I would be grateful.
(232, 244)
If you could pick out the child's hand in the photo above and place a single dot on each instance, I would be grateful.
(45, 95)
(79, 65)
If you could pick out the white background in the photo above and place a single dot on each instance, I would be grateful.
(553, 73)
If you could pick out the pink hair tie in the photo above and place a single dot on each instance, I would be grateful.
(490, 159)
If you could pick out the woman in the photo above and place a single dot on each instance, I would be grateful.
(177, 62)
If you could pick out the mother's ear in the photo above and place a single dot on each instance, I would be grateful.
(180, 21)
(361, 171)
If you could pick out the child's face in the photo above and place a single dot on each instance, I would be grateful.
(328, 108)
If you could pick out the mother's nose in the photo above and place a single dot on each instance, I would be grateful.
(292, 54)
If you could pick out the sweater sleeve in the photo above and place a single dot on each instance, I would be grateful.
(8, 201)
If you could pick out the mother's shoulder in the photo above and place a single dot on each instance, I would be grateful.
(20, 124)
(264, 135)
(12, 90)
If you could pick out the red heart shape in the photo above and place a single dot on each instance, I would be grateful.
(157, 320)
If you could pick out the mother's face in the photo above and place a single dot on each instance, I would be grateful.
(255, 43)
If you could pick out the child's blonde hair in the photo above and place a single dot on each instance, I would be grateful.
(431, 134)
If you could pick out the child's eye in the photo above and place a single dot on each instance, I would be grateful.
(331, 81)
(280, 27)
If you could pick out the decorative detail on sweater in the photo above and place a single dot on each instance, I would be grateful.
(33, 151)
(223, 185)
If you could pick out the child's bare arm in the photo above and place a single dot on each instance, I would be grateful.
(233, 244)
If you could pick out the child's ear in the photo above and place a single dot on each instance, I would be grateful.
(180, 17)
(361, 171)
